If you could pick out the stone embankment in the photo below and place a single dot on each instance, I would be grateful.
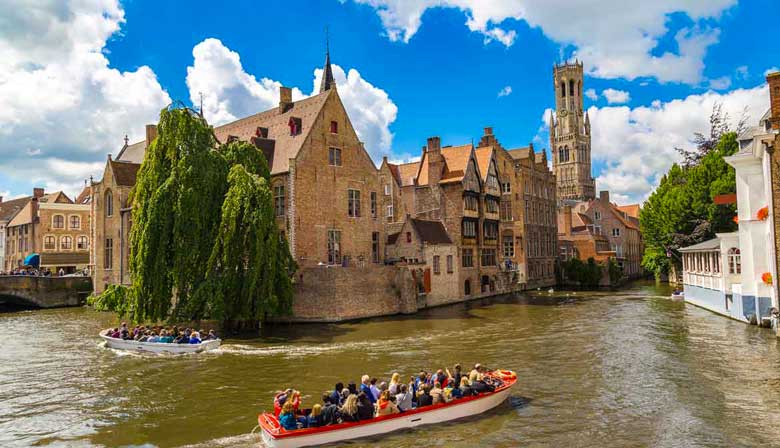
(44, 292)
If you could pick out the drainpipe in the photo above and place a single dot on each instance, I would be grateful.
(770, 149)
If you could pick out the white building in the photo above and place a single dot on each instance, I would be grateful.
(711, 272)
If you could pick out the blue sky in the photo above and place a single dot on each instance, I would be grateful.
(78, 78)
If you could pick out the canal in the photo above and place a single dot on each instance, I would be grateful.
(610, 369)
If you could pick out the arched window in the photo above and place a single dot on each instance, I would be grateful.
(109, 203)
(66, 243)
(563, 89)
(571, 87)
(49, 243)
(560, 155)
(735, 261)
(58, 222)
(566, 153)
(75, 222)
(82, 243)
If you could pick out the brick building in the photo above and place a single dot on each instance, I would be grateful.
(52, 226)
(8, 209)
(580, 237)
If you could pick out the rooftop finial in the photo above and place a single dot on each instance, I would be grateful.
(327, 73)
(127, 140)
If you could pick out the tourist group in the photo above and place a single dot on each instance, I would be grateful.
(368, 400)
(160, 334)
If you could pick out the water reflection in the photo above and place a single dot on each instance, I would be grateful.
(626, 368)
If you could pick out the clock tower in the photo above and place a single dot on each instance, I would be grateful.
(570, 135)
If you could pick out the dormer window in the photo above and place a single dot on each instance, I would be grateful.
(261, 132)
(334, 127)
(295, 126)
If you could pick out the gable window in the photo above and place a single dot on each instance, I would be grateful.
(353, 200)
(373, 204)
(82, 243)
(491, 205)
(334, 127)
(389, 213)
(109, 204)
(279, 200)
(334, 246)
(75, 222)
(334, 156)
(58, 222)
(49, 243)
(436, 265)
(470, 203)
(295, 125)
(408, 237)
(468, 258)
(66, 243)
(449, 264)
(108, 254)
(616, 232)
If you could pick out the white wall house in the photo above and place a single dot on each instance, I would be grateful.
(754, 192)
(711, 271)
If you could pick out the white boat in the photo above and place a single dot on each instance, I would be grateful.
(159, 347)
(274, 436)
(678, 296)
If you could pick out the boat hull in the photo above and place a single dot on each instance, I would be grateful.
(156, 347)
(382, 425)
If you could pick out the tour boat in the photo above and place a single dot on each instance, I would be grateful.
(160, 347)
(678, 296)
(274, 436)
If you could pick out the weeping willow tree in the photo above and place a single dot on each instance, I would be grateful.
(204, 242)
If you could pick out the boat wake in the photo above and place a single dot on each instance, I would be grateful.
(238, 441)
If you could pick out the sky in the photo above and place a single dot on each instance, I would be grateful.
(77, 76)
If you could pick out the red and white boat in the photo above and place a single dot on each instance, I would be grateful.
(274, 436)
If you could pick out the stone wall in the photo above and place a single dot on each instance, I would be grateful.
(44, 292)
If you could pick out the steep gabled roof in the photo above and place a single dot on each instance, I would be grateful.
(277, 122)
(9, 209)
(484, 155)
(83, 197)
(619, 215)
(57, 197)
(432, 232)
(712, 244)
(631, 210)
(124, 172)
(407, 172)
(519, 153)
(456, 161)
(133, 153)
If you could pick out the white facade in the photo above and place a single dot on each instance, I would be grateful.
(711, 272)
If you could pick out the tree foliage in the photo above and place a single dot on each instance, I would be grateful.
(204, 242)
(586, 274)
(681, 211)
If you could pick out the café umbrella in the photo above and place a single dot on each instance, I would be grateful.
(33, 260)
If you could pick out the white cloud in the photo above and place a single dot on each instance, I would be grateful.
(507, 90)
(721, 83)
(771, 70)
(230, 93)
(615, 38)
(616, 96)
(742, 72)
(591, 93)
(637, 144)
(59, 99)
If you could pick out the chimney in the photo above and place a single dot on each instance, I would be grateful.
(1, 199)
(567, 220)
(488, 131)
(37, 192)
(285, 98)
(604, 196)
(435, 161)
(773, 79)
(151, 133)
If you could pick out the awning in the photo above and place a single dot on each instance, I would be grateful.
(33, 260)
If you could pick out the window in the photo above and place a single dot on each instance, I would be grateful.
(616, 232)
(353, 199)
(388, 190)
(436, 265)
(82, 243)
(408, 237)
(470, 203)
(509, 247)
(109, 204)
(295, 125)
(375, 247)
(49, 243)
(468, 258)
(334, 156)
(334, 246)
(469, 229)
(75, 222)
(571, 87)
(279, 200)
(735, 261)
(490, 229)
(66, 243)
(449, 264)
(492, 181)
(598, 215)
(563, 89)
(390, 213)
(506, 188)
(491, 205)
(488, 257)
(373, 204)
(334, 127)
(506, 210)
(58, 222)
(108, 254)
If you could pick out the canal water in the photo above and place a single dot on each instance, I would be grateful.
(610, 369)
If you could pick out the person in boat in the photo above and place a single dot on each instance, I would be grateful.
(124, 333)
(113, 333)
(440, 378)
(195, 338)
(437, 394)
(335, 396)
(395, 384)
(185, 337)
(365, 407)
(365, 387)
(465, 388)
(476, 373)
(314, 419)
(352, 389)
(349, 411)
(424, 397)
(165, 337)
(288, 419)
(404, 398)
(385, 406)
(212, 336)
(375, 391)
(412, 387)
(455, 377)
(330, 411)
(452, 391)
(153, 338)
(481, 386)
(344, 394)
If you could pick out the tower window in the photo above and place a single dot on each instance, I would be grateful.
(563, 89)
(571, 87)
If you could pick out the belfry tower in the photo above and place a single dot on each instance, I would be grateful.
(570, 135)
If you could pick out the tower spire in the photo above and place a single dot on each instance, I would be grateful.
(327, 73)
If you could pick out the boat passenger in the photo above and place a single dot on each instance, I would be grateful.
(330, 411)
(453, 391)
(212, 336)
(287, 418)
(165, 337)
(344, 394)
(424, 397)
(185, 337)
(352, 388)
(404, 398)
(481, 386)
(349, 412)
(395, 383)
(412, 386)
(375, 391)
(437, 394)
(465, 388)
(365, 407)
(124, 333)
(455, 377)
(440, 377)
(114, 334)
(153, 338)
(365, 386)
(476, 373)
(385, 406)
(314, 419)
(195, 338)
(145, 336)
(335, 396)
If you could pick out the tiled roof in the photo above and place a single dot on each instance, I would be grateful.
(392, 238)
(519, 153)
(703, 246)
(133, 153)
(483, 156)
(9, 209)
(286, 146)
(580, 220)
(124, 172)
(431, 231)
(407, 172)
(456, 160)
(394, 172)
(83, 197)
(626, 222)
(631, 210)
(56, 197)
